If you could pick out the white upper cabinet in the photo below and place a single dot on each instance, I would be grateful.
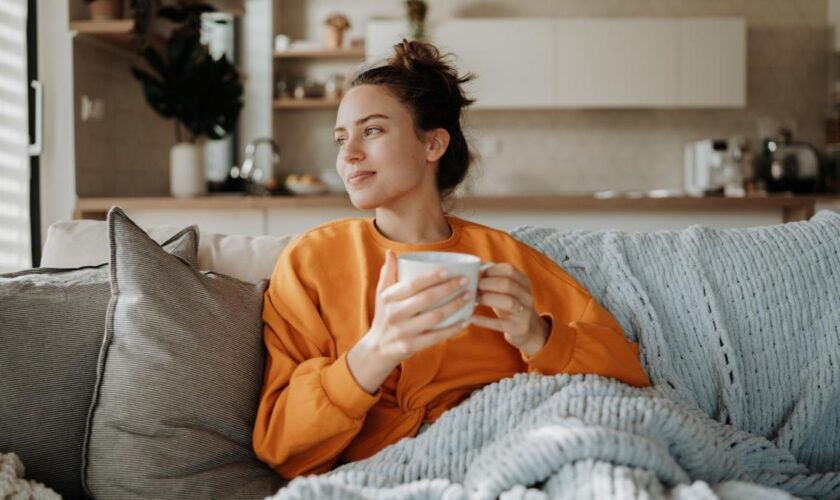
(508, 57)
(713, 61)
(590, 63)
(615, 63)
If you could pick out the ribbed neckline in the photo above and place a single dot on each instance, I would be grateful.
(454, 223)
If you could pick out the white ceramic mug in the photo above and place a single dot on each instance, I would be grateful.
(411, 265)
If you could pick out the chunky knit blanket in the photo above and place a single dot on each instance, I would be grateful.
(14, 486)
(739, 332)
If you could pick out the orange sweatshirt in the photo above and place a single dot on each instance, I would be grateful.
(320, 302)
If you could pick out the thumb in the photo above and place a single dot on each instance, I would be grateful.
(388, 273)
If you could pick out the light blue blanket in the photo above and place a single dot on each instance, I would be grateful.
(739, 331)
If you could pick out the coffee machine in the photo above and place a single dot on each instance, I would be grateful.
(789, 165)
(713, 167)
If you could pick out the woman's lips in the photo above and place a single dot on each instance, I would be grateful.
(360, 177)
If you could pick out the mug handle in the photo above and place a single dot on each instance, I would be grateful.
(485, 266)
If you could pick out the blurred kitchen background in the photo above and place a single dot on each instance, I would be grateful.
(590, 114)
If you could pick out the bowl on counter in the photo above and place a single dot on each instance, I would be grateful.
(305, 184)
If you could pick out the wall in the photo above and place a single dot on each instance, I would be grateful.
(561, 151)
(126, 152)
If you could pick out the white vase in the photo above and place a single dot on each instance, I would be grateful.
(186, 170)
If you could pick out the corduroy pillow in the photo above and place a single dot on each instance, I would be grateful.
(52, 322)
(179, 378)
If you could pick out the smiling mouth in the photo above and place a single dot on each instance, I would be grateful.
(356, 178)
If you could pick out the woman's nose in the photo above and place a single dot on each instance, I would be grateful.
(351, 152)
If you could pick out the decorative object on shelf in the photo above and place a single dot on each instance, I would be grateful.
(282, 43)
(253, 178)
(334, 86)
(336, 25)
(417, 17)
(200, 93)
(101, 10)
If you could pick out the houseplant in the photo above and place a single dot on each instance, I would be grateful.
(202, 95)
(101, 10)
(336, 25)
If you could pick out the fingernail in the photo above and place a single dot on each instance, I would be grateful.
(443, 273)
(463, 281)
(465, 324)
(466, 296)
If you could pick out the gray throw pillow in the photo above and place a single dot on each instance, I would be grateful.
(52, 323)
(178, 382)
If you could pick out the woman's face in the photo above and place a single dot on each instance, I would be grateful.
(380, 158)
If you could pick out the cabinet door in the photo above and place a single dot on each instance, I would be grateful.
(381, 35)
(615, 63)
(713, 63)
(510, 57)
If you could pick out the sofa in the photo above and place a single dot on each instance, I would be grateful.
(131, 363)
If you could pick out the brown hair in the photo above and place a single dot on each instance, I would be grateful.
(421, 79)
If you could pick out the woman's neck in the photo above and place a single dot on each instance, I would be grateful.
(414, 227)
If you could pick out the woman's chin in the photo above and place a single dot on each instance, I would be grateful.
(363, 202)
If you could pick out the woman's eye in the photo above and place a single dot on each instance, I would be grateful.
(340, 141)
(370, 130)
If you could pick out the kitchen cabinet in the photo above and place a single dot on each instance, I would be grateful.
(590, 63)
(615, 63)
(712, 63)
(508, 57)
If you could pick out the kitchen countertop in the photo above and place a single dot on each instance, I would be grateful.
(793, 207)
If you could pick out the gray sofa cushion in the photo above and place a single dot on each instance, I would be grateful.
(52, 323)
(179, 380)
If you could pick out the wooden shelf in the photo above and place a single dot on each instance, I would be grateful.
(306, 103)
(351, 53)
(117, 31)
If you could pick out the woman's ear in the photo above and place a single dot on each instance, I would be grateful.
(438, 141)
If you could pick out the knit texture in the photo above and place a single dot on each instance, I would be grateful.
(745, 323)
(13, 485)
(739, 331)
(572, 436)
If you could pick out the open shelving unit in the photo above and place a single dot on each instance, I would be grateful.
(116, 31)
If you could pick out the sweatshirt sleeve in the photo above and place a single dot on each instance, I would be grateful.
(584, 337)
(310, 406)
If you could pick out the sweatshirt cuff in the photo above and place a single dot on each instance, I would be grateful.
(557, 351)
(343, 390)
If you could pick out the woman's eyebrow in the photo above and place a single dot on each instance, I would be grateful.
(362, 120)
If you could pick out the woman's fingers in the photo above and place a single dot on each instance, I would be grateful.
(505, 286)
(506, 270)
(425, 299)
(405, 289)
(427, 320)
(507, 303)
(432, 337)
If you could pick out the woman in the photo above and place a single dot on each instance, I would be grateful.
(352, 363)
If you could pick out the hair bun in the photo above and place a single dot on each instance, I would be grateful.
(409, 54)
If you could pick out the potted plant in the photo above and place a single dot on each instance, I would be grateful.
(202, 95)
(101, 10)
(336, 25)
(417, 17)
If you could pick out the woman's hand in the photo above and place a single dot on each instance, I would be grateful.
(400, 328)
(508, 292)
